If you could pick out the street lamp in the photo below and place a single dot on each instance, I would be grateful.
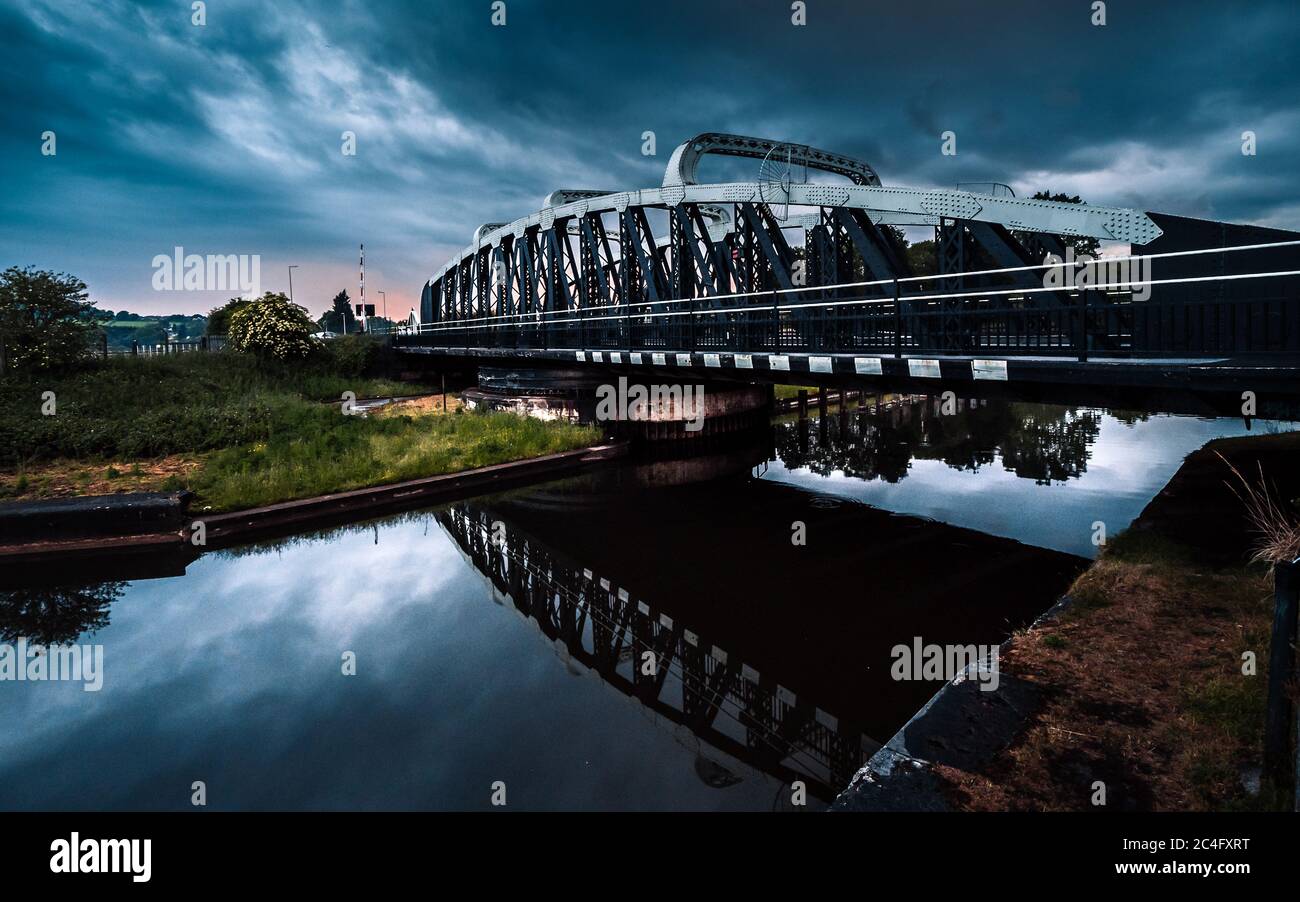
(291, 269)
(384, 295)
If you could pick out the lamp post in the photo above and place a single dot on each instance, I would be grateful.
(384, 295)
(291, 269)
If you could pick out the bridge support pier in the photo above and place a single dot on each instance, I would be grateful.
(541, 392)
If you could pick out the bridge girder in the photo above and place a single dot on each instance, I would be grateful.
(722, 238)
(468, 275)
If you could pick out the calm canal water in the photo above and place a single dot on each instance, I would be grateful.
(503, 639)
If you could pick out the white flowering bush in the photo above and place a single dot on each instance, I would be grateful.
(273, 326)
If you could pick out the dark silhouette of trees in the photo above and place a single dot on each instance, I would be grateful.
(219, 317)
(56, 615)
(340, 312)
(1045, 443)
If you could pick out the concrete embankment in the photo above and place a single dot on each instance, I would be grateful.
(962, 727)
(37, 533)
(94, 517)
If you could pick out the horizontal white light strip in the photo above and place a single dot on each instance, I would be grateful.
(983, 272)
(521, 320)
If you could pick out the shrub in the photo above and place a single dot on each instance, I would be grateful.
(273, 326)
(352, 355)
(219, 317)
(45, 320)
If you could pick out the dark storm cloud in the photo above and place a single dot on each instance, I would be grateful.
(226, 138)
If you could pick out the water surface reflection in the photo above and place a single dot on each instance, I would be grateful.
(1040, 473)
(519, 662)
(502, 638)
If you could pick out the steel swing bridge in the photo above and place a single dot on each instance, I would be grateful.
(703, 274)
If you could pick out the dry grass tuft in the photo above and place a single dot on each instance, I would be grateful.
(1270, 517)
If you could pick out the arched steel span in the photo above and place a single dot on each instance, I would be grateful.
(684, 162)
(591, 249)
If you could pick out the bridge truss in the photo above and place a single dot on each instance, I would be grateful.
(711, 267)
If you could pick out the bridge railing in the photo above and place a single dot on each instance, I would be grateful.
(1108, 307)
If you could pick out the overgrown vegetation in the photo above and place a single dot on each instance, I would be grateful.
(1274, 520)
(131, 408)
(218, 321)
(260, 423)
(243, 431)
(328, 452)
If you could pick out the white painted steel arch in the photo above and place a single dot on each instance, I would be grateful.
(894, 206)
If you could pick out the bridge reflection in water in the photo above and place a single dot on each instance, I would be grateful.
(661, 663)
(775, 658)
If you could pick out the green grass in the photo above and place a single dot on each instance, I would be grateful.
(1235, 704)
(130, 324)
(1096, 587)
(332, 452)
(1222, 703)
(1235, 707)
(143, 407)
(1138, 546)
(260, 432)
(791, 391)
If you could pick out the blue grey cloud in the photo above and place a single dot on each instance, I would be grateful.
(226, 138)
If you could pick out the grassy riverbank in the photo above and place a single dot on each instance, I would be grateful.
(1143, 690)
(1143, 679)
(241, 432)
(353, 452)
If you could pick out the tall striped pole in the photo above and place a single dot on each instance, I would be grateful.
(363, 287)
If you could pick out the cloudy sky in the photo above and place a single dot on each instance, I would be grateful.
(225, 138)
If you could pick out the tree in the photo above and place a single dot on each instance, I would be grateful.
(219, 317)
(339, 315)
(921, 258)
(1082, 246)
(273, 326)
(46, 321)
(57, 615)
